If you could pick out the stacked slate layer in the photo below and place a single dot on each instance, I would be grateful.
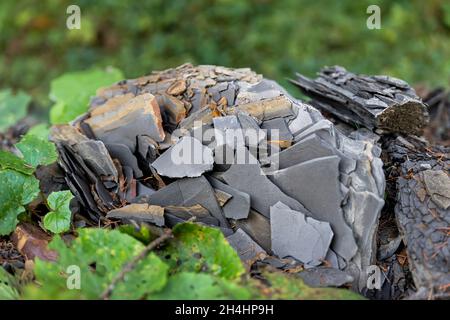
(423, 212)
(304, 191)
(381, 102)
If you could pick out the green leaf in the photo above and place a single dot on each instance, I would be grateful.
(13, 107)
(11, 161)
(100, 255)
(41, 130)
(16, 190)
(72, 92)
(285, 286)
(194, 286)
(58, 220)
(198, 248)
(8, 285)
(37, 151)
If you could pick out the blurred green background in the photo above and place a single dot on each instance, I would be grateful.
(274, 37)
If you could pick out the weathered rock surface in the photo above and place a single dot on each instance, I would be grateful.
(372, 101)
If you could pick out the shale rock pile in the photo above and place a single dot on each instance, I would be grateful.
(237, 152)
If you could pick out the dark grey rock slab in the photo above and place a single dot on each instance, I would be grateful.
(263, 193)
(228, 131)
(257, 227)
(325, 277)
(295, 235)
(323, 128)
(253, 134)
(188, 158)
(122, 123)
(96, 156)
(315, 184)
(238, 206)
(311, 147)
(247, 249)
(278, 131)
(122, 153)
(188, 192)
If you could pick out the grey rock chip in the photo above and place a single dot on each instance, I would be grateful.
(247, 249)
(238, 206)
(263, 193)
(188, 158)
(189, 192)
(295, 235)
(228, 131)
(122, 153)
(277, 130)
(305, 183)
(309, 148)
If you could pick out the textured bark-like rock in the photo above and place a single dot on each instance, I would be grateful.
(372, 101)
(423, 213)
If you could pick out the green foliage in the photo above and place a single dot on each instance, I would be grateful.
(13, 107)
(100, 255)
(8, 284)
(58, 220)
(198, 248)
(16, 190)
(18, 186)
(37, 151)
(72, 91)
(195, 286)
(41, 131)
(274, 37)
(11, 161)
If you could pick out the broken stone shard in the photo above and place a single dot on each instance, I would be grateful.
(295, 235)
(122, 123)
(305, 183)
(263, 193)
(188, 158)
(438, 186)
(247, 249)
(238, 206)
(140, 212)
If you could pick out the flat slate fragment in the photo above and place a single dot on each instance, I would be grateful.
(263, 193)
(188, 158)
(311, 183)
(295, 235)
(238, 206)
(325, 277)
(188, 192)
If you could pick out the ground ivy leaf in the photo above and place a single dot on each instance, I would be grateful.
(9, 160)
(194, 286)
(8, 285)
(16, 190)
(13, 107)
(198, 248)
(58, 220)
(72, 91)
(41, 130)
(37, 151)
(99, 255)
